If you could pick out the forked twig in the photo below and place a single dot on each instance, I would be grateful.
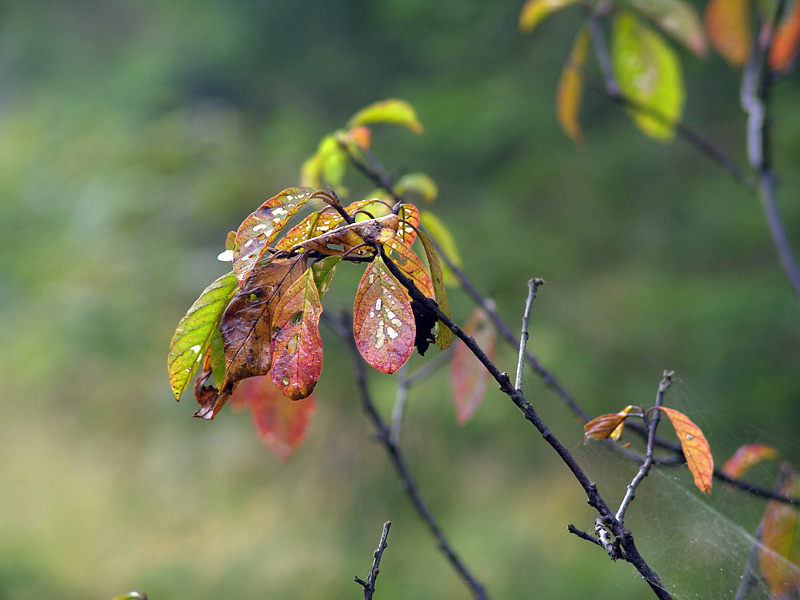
(369, 584)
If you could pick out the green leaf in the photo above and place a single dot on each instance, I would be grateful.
(649, 75)
(444, 336)
(383, 322)
(678, 19)
(392, 111)
(437, 230)
(535, 10)
(323, 271)
(195, 331)
(417, 183)
(263, 225)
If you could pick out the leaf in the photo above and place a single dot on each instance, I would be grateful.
(411, 265)
(417, 183)
(327, 164)
(392, 111)
(535, 10)
(570, 87)
(316, 224)
(408, 217)
(345, 239)
(323, 271)
(444, 337)
(468, 377)
(360, 135)
(649, 75)
(678, 19)
(383, 322)
(280, 422)
(728, 27)
(786, 41)
(246, 326)
(695, 448)
(194, 332)
(441, 235)
(263, 225)
(296, 345)
(746, 457)
(780, 535)
(606, 426)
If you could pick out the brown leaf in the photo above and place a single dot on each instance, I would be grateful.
(780, 536)
(786, 41)
(246, 325)
(316, 224)
(383, 322)
(344, 240)
(747, 456)
(468, 377)
(695, 448)
(263, 225)
(606, 426)
(728, 26)
(280, 422)
(296, 345)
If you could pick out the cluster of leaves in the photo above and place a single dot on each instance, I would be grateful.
(693, 443)
(646, 69)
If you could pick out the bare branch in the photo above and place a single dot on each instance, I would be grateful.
(369, 584)
(533, 285)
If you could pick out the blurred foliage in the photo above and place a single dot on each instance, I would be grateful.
(136, 135)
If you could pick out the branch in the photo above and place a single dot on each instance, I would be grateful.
(533, 285)
(369, 584)
(384, 436)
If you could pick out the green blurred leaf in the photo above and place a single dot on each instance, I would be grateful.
(392, 111)
(570, 87)
(417, 183)
(678, 19)
(441, 235)
(444, 336)
(535, 10)
(649, 74)
(195, 331)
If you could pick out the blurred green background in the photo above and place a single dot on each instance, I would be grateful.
(135, 135)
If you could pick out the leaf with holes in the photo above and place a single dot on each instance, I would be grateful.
(748, 456)
(195, 331)
(678, 19)
(570, 87)
(316, 224)
(383, 322)
(392, 111)
(468, 377)
(345, 239)
(246, 325)
(649, 75)
(695, 448)
(262, 226)
(408, 222)
(281, 423)
(296, 345)
(444, 337)
(728, 27)
(606, 426)
(534, 11)
(410, 264)
(786, 41)
(780, 535)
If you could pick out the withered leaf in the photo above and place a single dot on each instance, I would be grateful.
(606, 426)
(747, 456)
(316, 224)
(695, 448)
(345, 239)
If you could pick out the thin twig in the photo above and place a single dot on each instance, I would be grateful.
(398, 461)
(533, 285)
(651, 437)
(369, 584)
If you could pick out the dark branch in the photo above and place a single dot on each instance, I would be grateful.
(369, 584)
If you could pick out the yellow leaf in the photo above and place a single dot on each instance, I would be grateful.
(568, 100)
(535, 10)
(392, 111)
(728, 27)
(695, 448)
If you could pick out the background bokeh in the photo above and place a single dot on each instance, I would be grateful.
(135, 135)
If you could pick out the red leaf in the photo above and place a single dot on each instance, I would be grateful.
(780, 535)
(695, 448)
(383, 322)
(468, 377)
(280, 422)
(786, 41)
(262, 226)
(296, 345)
(728, 27)
(748, 456)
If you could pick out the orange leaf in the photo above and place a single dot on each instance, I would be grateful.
(280, 422)
(786, 41)
(728, 27)
(410, 264)
(606, 426)
(408, 216)
(383, 322)
(468, 377)
(695, 448)
(570, 87)
(747, 456)
(296, 346)
(780, 535)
